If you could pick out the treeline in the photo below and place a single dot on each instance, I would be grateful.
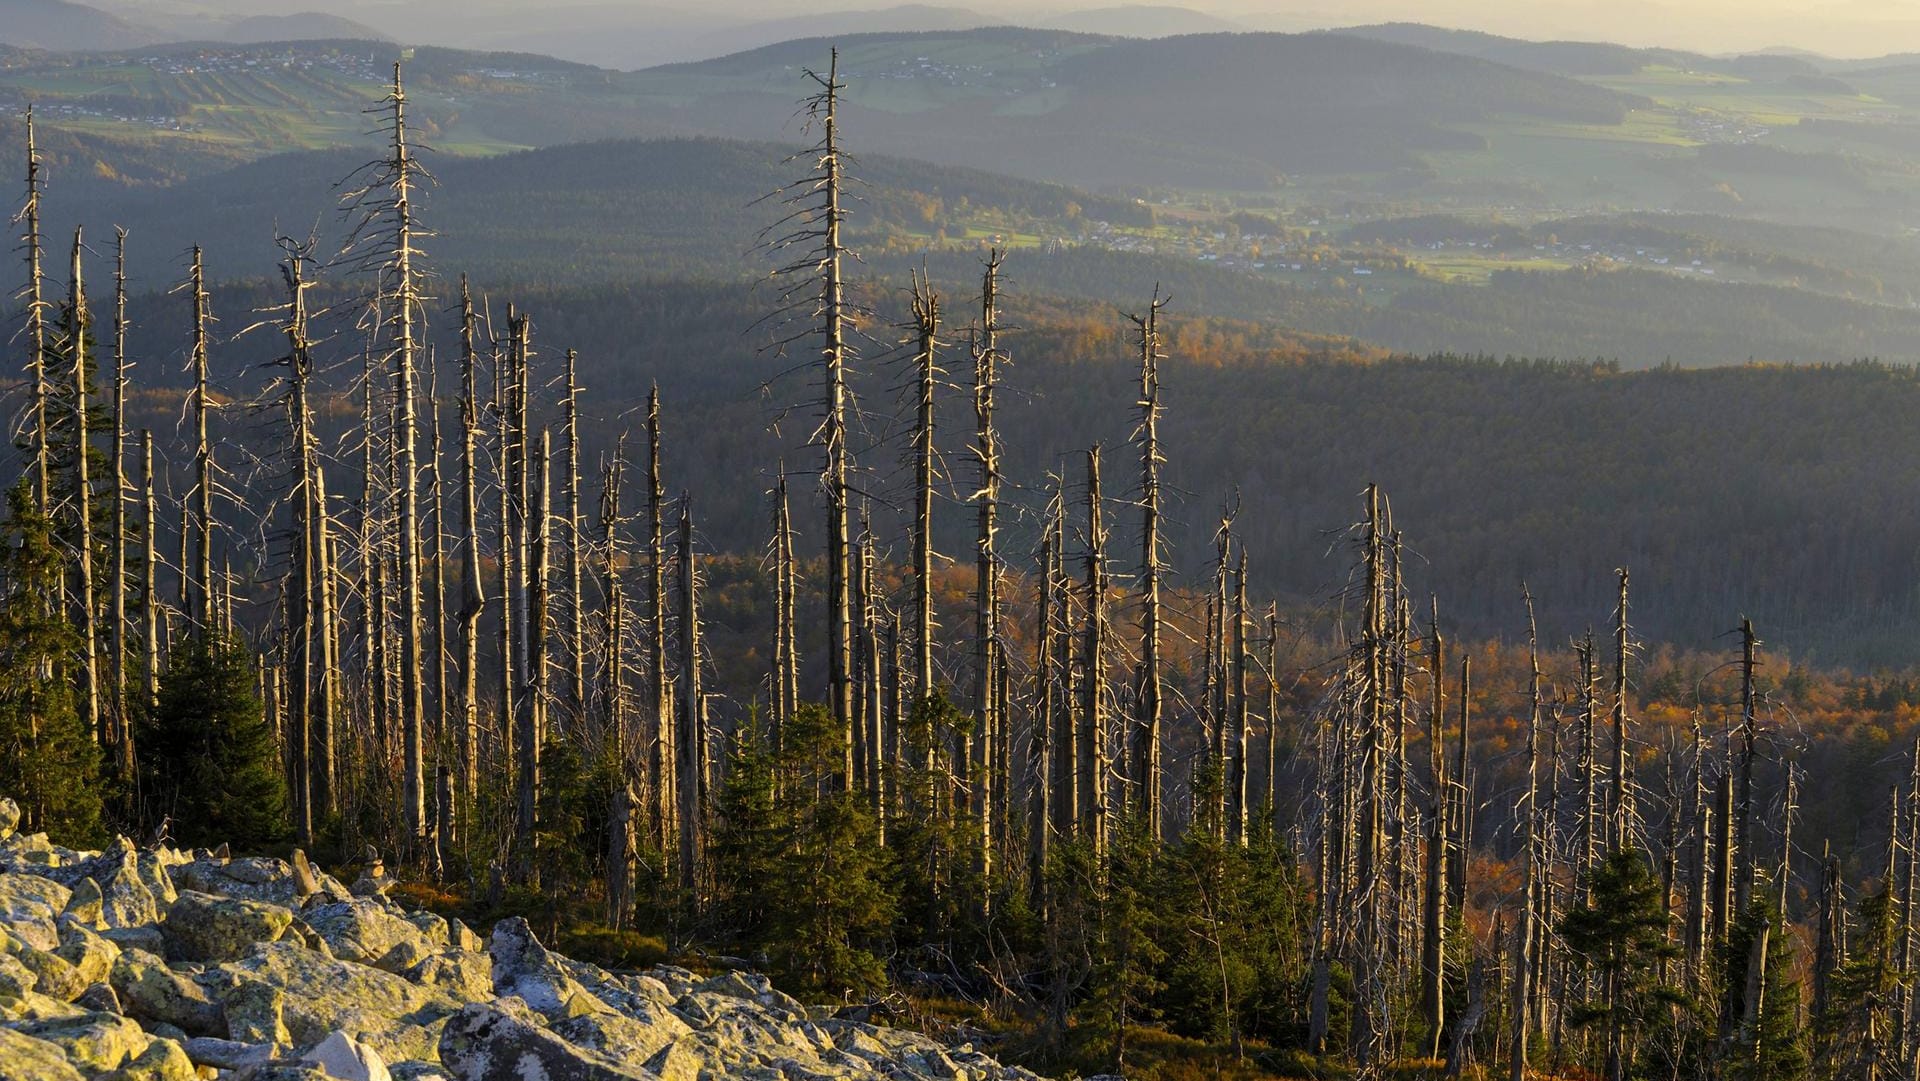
(1778, 490)
(1052, 776)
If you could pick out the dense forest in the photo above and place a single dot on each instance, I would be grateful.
(1064, 667)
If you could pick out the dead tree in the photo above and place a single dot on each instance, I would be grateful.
(508, 514)
(613, 695)
(436, 550)
(1040, 747)
(1065, 740)
(1723, 856)
(1433, 936)
(149, 576)
(987, 655)
(1524, 930)
(1092, 745)
(660, 769)
(1462, 792)
(576, 548)
(926, 317)
(117, 518)
(1749, 734)
(786, 659)
(691, 741)
(1237, 767)
(1700, 821)
(1143, 756)
(1273, 717)
(84, 608)
(34, 294)
(1620, 821)
(403, 289)
(473, 599)
(815, 294)
(528, 720)
(1589, 764)
(200, 581)
(1830, 937)
(304, 629)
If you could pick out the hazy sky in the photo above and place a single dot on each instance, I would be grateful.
(1838, 27)
(1834, 27)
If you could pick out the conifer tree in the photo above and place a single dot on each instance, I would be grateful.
(48, 760)
(1620, 933)
(209, 758)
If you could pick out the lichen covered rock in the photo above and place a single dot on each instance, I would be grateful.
(158, 965)
(205, 927)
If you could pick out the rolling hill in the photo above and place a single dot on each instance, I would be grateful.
(64, 26)
(1142, 21)
(1218, 111)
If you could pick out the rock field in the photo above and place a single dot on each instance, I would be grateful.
(165, 965)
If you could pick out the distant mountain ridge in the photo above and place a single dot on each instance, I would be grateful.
(300, 26)
(62, 26)
(1142, 21)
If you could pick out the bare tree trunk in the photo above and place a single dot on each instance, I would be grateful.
(691, 743)
(1092, 751)
(1700, 818)
(1144, 754)
(1433, 937)
(473, 598)
(510, 513)
(302, 609)
(576, 552)
(1040, 747)
(1066, 740)
(528, 723)
(1237, 769)
(614, 694)
(1749, 734)
(150, 576)
(84, 607)
(988, 661)
(37, 360)
(660, 769)
(1273, 717)
(1903, 935)
(200, 603)
(1523, 930)
(1463, 792)
(1589, 766)
(832, 311)
(867, 664)
(117, 567)
(926, 314)
(1830, 942)
(1621, 823)
(1723, 859)
(404, 287)
(786, 661)
(1785, 874)
(437, 732)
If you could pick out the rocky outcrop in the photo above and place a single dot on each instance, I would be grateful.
(161, 965)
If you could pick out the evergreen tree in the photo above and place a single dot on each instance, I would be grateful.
(1767, 1043)
(1127, 958)
(48, 760)
(1855, 1034)
(1620, 933)
(935, 879)
(804, 861)
(208, 757)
